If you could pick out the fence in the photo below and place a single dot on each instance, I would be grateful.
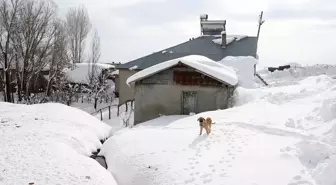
(100, 111)
(126, 103)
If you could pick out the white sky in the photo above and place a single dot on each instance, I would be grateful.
(302, 31)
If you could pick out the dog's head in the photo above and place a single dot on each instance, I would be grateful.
(201, 119)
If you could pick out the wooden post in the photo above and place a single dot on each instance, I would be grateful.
(260, 23)
(118, 111)
(101, 114)
(109, 112)
(126, 106)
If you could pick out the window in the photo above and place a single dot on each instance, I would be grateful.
(194, 78)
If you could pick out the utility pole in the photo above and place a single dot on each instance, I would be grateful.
(260, 23)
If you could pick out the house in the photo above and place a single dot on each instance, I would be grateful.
(185, 85)
(213, 43)
(82, 72)
(115, 78)
(37, 83)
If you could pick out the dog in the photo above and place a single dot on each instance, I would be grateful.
(206, 124)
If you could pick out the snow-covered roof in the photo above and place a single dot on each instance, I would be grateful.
(229, 39)
(81, 72)
(202, 45)
(202, 64)
(116, 72)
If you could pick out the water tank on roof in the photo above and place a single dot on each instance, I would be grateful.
(204, 17)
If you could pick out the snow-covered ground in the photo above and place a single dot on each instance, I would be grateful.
(283, 135)
(50, 144)
(296, 73)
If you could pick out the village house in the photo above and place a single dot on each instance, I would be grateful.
(214, 43)
(190, 84)
(38, 83)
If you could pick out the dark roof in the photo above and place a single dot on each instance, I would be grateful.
(202, 45)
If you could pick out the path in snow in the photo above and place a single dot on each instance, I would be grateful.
(231, 152)
(219, 162)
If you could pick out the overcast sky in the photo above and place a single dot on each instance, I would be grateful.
(302, 31)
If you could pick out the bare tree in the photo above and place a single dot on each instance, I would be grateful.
(9, 10)
(35, 39)
(96, 76)
(78, 28)
(94, 57)
(59, 57)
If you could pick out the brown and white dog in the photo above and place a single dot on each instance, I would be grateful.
(206, 124)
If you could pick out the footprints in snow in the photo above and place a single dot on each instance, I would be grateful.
(224, 146)
(229, 141)
(301, 179)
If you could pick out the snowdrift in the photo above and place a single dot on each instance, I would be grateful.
(244, 67)
(296, 73)
(50, 144)
(279, 135)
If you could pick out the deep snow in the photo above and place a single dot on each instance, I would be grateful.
(296, 73)
(201, 63)
(50, 144)
(277, 135)
(245, 69)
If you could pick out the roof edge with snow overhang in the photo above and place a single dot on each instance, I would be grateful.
(202, 64)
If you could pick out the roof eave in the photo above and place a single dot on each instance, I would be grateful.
(153, 73)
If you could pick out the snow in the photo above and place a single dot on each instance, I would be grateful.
(295, 73)
(229, 39)
(50, 144)
(275, 135)
(200, 63)
(244, 67)
(117, 122)
(116, 72)
(81, 72)
(133, 67)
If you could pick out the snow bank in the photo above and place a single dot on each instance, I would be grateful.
(200, 63)
(244, 66)
(81, 72)
(292, 128)
(50, 144)
(296, 73)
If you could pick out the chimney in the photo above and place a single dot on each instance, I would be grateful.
(223, 34)
(204, 17)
